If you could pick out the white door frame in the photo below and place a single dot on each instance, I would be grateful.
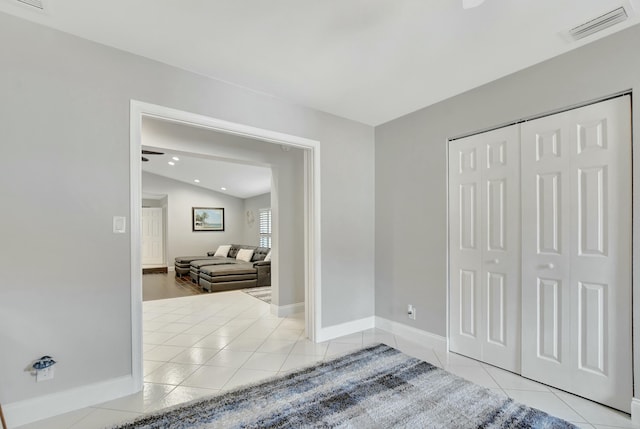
(312, 246)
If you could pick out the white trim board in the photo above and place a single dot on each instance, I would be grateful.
(635, 412)
(347, 328)
(287, 310)
(424, 338)
(45, 406)
(312, 210)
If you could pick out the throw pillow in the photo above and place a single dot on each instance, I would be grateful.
(268, 257)
(223, 251)
(244, 255)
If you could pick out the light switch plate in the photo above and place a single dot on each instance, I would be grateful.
(119, 224)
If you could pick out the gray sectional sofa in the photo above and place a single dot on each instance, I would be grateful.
(217, 273)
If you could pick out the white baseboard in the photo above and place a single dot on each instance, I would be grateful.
(45, 406)
(287, 310)
(410, 333)
(346, 328)
(171, 268)
(635, 412)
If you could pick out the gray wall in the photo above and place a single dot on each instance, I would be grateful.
(252, 232)
(64, 117)
(181, 240)
(411, 228)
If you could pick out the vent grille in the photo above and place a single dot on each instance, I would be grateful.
(599, 23)
(33, 3)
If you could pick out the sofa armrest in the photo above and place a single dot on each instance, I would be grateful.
(263, 271)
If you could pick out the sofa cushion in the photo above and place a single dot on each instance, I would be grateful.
(223, 250)
(268, 257)
(260, 253)
(235, 248)
(244, 255)
(222, 270)
(187, 259)
(203, 262)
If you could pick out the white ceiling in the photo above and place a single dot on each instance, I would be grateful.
(367, 60)
(240, 180)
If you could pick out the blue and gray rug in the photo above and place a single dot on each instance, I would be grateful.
(376, 387)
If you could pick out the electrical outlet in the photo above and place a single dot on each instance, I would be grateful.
(44, 374)
(411, 312)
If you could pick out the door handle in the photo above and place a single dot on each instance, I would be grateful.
(548, 266)
(493, 261)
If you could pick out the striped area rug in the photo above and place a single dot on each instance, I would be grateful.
(376, 387)
(262, 293)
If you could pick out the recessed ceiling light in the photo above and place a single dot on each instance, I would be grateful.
(196, 180)
(223, 188)
(171, 163)
(175, 158)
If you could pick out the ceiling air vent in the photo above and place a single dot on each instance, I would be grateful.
(598, 24)
(33, 3)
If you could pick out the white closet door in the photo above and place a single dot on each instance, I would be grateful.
(152, 236)
(576, 251)
(485, 247)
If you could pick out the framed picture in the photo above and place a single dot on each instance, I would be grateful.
(207, 218)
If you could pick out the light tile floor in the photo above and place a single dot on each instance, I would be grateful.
(204, 344)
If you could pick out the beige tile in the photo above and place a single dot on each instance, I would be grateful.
(150, 365)
(338, 349)
(156, 337)
(424, 354)
(174, 327)
(171, 373)
(286, 334)
(214, 341)
(474, 374)
(594, 413)
(306, 347)
(202, 329)
(547, 402)
(163, 353)
(195, 356)
(265, 361)
(247, 376)
(229, 358)
(184, 340)
(140, 402)
(244, 344)
(99, 418)
(349, 339)
(182, 394)
(210, 377)
(63, 421)
(294, 362)
(276, 346)
(509, 380)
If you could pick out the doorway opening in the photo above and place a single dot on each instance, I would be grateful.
(311, 209)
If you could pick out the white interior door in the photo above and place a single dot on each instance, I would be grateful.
(485, 247)
(152, 236)
(576, 251)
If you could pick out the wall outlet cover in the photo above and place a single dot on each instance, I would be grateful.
(44, 374)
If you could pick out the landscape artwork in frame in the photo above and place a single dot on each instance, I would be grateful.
(208, 219)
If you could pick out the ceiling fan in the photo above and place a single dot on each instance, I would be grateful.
(149, 152)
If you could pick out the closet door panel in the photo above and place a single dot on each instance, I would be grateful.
(576, 259)
(501, 247)
(484, 247)
(464, 248)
